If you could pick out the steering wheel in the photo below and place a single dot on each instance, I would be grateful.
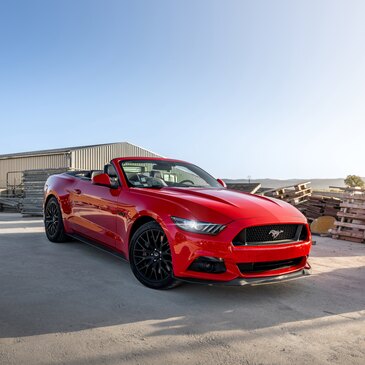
(186, 181)
(137, 178)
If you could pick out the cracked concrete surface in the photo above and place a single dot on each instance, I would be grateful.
(73, 304)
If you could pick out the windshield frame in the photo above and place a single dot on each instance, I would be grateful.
(212, 182)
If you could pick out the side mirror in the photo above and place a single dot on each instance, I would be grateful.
(222, 183)
(102, 179)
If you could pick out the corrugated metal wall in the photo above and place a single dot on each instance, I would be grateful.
(96, 157)
(29, 163)
(83, 158)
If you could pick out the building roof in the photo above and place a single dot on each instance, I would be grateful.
(57, 151)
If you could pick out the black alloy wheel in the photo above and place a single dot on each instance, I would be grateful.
(53, 222)
(150, 257)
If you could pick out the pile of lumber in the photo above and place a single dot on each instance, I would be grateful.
(295, 194)
(251, 188)
(312, 206)
(33, 181)
(10, 203)
(351, 219)
(318, 206)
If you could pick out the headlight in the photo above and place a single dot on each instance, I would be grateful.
(198, 227)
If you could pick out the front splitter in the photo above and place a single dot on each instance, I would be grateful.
(252, 281)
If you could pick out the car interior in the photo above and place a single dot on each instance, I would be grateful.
(156, 176)
(88, 175)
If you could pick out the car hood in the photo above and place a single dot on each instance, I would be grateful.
(228, 205)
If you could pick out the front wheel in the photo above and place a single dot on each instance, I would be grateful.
(150, 257)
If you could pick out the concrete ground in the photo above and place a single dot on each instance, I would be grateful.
(73, 304)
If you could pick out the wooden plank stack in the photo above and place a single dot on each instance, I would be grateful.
(251, 188)
(295, 194)
(11, 204)
(351, 219)
(33, 181)
(312, 206)
(319, 206)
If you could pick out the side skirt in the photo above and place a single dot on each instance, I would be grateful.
(98, 246)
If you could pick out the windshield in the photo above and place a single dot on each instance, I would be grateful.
(159, 174)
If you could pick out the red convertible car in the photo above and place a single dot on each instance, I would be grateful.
(174, 222)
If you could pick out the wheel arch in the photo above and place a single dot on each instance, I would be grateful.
(48, 197)
(51, 195)
(139, 222)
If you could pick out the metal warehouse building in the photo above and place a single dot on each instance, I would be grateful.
(12, 166)
(22, 175)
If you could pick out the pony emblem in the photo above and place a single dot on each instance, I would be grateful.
(275, 234)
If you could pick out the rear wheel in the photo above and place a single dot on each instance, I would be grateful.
(150, 257)
(53, 222)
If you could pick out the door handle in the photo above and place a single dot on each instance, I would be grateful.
(77, 191)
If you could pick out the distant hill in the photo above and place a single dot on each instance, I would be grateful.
(275, 183)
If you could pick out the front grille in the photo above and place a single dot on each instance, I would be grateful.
(255, 267)
(271, 234)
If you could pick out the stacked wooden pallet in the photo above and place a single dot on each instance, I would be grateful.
(11, 204)
(351, 219)
(33, 182)
(295, 194)
(319, 206)
(251, 188)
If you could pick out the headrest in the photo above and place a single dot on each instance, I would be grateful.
(110, 170)
(156, 174)
(96, 173)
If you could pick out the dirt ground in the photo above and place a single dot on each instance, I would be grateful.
(73, 304)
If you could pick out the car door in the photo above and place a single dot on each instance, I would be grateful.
(94, 210)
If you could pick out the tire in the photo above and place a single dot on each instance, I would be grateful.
(53, 222)
(150, 257)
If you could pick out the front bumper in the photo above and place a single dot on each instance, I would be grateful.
(187, 247)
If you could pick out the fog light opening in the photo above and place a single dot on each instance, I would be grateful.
(212, 265)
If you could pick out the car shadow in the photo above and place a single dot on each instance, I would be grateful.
(51, 288)
(336, 248)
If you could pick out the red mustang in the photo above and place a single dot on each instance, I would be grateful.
(174, 222)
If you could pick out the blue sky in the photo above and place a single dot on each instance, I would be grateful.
(262, 88)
